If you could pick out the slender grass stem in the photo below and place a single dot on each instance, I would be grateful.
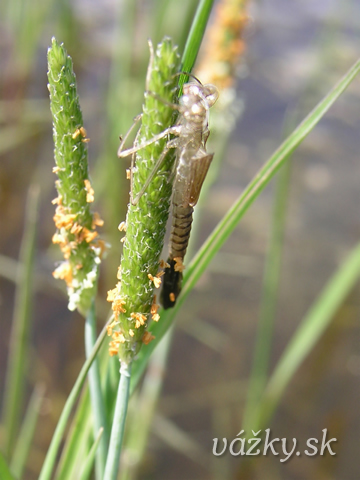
(271, 278)
(16, 371)
(140, 426)
(52, 452)
(308, 333)
(195, 37)
(117, 432)
(89, 462)
(26, 436)
(97, 401)
(75, 445)
(5, 473)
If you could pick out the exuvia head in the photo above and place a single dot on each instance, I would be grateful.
(208, 92)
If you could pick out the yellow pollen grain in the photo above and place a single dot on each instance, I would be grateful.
(122, 227)
(76, 134)
(89, 191)
(89, 235)
(111, 294)
(66, 250)
(179, 266)
(131, 332)
(128, 174)
(154, 308)
(172, 297)
(155, 280)
(102, 245)
(147, 338)
(164, 264)
(117, 305)
(140, 319)
(118, 337)
(56, 169)
(80, 132)
(64, 272)
(62, 219)
(57, 200)
(156, 317)
(58, 238)
(97, 220)
(76, 228)
(113, 350)
(118, 275)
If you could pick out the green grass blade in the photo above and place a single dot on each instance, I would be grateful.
(309, 331)
(52, 452)
(76, 441)
(140, 421)
(97, 400)
(5, 473)
(81, 434)
(271, 278)
(195, 37)
(17, 364)
(226, 226)
(118, 428)
(89, 462)
(26, 436)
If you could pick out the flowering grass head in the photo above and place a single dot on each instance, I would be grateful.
(133, 300)
(75, 224)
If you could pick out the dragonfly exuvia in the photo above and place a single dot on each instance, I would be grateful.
(191, 132)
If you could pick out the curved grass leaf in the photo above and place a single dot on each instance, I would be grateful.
(53, 450)
(5, 473)
(75, 444)
(226, 226)
(89, 462)
(17, 365)
(195, 37)
(26, 435)
(309, 331)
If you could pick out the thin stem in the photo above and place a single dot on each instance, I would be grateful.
(195, 37)
(117, 432)
(146, 403)
(52, 452)
(5, 473)
(97, 401)
(26, 436)
(308, 333)
(74, 448)
(16, 371)
(89, 462)
(269, 299)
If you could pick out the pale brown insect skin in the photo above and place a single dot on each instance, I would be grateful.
(192, 166)
(190, 132)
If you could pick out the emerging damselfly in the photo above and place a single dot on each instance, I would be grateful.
(191, 132)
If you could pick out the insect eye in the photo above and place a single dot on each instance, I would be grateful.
(197, 109)
(212, 94)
